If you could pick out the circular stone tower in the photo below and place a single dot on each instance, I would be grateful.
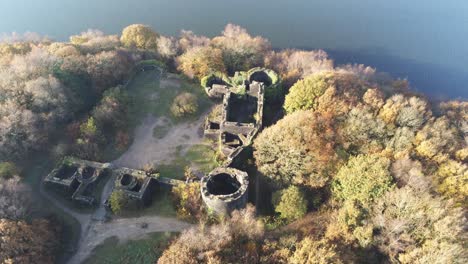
(225, 189)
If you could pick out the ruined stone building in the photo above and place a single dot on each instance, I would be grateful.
(78, 178)
(233, 125)
(136, 184)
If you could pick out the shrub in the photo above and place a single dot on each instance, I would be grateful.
(118, 201)
(184, 104)
(8, 170)
(291, 203)
(188, 201)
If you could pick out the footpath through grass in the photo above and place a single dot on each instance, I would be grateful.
(142, 251)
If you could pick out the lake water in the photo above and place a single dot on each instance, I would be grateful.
(423, 40)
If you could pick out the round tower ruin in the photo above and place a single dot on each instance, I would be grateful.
(225, 189)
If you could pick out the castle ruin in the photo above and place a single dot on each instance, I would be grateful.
(233, 127)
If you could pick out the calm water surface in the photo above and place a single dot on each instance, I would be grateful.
(423, 40)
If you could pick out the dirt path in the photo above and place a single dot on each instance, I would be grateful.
(145, 149)
(124, 229)
(148, 149)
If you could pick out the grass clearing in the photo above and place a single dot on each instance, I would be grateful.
(153, 94)
(200, 157)
(143, 251)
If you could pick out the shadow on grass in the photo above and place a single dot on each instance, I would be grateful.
(161, 205)
(143, 251)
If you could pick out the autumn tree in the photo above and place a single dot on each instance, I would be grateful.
(362, 131)
(200, 61)
(139, 36)
(235, 240)
(15, 199)
(188, 40)
(108, 68)
(415, 227)
(451, 179)
(188, 201)
(293, 65)
(409, 173)
(313, 251)
(94, 41)
(23, 242)
(298, 150)
(111, 113)
(364, 178)
(240, 50)
(403, 111)
(437, 140)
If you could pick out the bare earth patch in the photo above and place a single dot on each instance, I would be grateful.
(146, 149)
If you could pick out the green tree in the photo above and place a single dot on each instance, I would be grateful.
(89, 128)
(303, 95)
(291, 203)
(118, 201)
(364, 178)
(140, 37)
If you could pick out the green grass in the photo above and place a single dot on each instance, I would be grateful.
(148, 97)
(201, 157)
(142, 251)
(161, 205)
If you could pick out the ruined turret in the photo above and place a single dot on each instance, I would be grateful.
(225, 189)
